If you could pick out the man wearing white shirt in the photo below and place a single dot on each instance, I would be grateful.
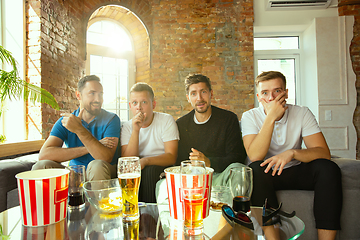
(273, 134)
(152, 136)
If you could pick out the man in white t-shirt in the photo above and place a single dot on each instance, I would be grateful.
(153, 136)
(272, 136)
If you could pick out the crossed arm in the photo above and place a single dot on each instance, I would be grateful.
(103, 149)
(53, 150)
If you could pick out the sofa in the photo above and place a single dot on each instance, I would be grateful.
(302, 203)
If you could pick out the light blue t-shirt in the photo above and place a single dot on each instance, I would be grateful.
(106, 124)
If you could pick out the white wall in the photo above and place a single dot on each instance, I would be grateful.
(289, 21)
(336, 81)
(308, 72)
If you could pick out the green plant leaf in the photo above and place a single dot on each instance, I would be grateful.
(2, 236)
(13, 87)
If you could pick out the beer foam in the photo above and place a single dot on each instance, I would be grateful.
(129, 175)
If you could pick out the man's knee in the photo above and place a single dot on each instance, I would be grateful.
(99, 170)
(44, 164)
(257, 169)
(96, 164)
(327, 168)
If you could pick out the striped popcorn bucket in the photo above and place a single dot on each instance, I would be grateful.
(174, 195)
(43, 196)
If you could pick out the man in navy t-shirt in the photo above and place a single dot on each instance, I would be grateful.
(90, 133)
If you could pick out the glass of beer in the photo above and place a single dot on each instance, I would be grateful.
(76, 198)
(241, 185)
(192, 187)
(129, 173)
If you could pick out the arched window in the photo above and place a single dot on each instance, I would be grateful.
(110, 56)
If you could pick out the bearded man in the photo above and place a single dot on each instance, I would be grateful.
(91, 135)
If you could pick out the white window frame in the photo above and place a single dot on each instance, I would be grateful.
(108, 52)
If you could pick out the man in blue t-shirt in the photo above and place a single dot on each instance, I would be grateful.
(89, 133)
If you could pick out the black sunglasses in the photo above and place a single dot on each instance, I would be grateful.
(271, 216)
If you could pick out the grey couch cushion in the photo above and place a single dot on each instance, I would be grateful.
(12, 198)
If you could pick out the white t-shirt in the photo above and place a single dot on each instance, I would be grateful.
(288, 133)
(152, 138)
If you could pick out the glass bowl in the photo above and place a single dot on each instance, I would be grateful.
(104, 195)
(220, 195)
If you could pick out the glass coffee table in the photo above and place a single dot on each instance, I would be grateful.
(155, 223)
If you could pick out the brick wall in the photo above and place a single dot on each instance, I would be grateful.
(59, 60)
(214, 37)
(210, 37)
(347, 8)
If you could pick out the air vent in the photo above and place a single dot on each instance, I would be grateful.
(297, 4)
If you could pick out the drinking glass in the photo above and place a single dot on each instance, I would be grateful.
(241, 184)
(192, 187)
(131, 230)
(129, 174)
(76, 192)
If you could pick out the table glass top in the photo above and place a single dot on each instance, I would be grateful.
(155, 223)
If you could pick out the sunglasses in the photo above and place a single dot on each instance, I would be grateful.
(270, 216)
(236, 217)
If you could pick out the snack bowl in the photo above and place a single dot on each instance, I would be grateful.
(220, 195)
(104, 195)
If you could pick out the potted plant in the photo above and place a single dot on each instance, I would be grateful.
(13, 87)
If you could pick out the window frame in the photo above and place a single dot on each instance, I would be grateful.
(280, 54)
(13, 38)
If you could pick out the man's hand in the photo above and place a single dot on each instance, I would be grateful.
(72, 122)
(278, 161)
(138, 121)
(197, 155)
(275, 108)
(109, 142)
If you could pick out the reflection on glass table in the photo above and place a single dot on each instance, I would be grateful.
(154, 223)
(216, 227)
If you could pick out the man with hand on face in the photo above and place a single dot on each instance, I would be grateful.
(89, 133)
(208, 133)
(152, 136)
(272, 135)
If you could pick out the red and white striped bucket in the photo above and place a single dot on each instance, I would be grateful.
(43, 196)
(173, 188)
